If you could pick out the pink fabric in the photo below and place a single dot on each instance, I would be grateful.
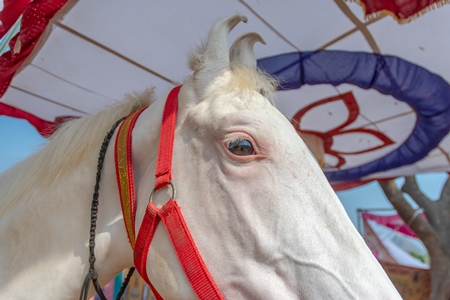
(393, 222)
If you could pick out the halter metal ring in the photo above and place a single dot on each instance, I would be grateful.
(174, 191)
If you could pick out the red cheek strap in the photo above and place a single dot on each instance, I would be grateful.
(170, 214)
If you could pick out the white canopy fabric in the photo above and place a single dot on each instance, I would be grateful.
(94, 52)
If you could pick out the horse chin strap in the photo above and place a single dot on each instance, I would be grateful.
(170, 214)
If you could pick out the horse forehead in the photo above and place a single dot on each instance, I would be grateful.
(242, 103)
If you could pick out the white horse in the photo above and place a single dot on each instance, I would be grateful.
(262, 214)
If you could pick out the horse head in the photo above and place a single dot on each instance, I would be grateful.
(263, 216)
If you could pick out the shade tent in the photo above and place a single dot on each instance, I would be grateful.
(372, 94)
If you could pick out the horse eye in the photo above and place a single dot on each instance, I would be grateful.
(240, 147)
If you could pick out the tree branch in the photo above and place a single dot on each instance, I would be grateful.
(445, 193)
(412, 189)
(421, 227)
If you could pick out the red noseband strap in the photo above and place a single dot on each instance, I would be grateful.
(170, 214)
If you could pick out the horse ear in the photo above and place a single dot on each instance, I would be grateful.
(216, 51)
(242, 49)
(213, 56)
(211, 59)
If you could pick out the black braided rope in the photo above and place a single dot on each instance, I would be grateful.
(125, 283)
(92, 275)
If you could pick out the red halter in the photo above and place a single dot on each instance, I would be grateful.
(178, 232)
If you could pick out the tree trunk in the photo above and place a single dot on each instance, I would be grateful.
(434, 232)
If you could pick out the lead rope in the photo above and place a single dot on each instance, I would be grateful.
(92, 273)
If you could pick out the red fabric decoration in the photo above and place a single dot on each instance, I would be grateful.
(346, 185)
(45, 128)
(35, 17)
(12, 9)
(342, 186)
(403, 11)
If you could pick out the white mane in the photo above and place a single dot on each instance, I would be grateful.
(70, 144)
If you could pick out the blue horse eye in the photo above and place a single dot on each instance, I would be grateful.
(240, 147)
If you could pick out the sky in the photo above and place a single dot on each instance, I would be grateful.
(19, 140)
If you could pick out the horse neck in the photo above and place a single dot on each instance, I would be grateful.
(44, 237)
